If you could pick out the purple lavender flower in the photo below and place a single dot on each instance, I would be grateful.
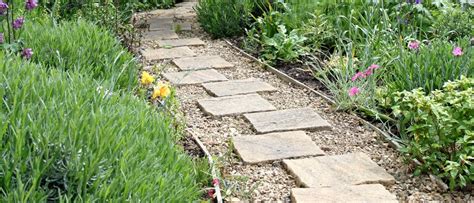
(3, 7)
(27, 53)
(2, 39)
(31, 4)
(18, 23)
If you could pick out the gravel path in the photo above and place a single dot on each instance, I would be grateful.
(266, 182)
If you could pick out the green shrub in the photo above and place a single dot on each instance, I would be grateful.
(453, 24)
(224, 18)
(430, 66)
(84, 47)
(440, 130)
(65, 139)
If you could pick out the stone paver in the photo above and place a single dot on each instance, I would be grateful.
(336, 171)
(173, 26)
(374, 193)
(275, 146)
(235, 105)
(162, 53)
(181, 42)
(194, 77)
(286, 120)
(202, 62)
(159, 35)
(236, 87)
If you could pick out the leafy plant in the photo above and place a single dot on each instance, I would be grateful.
(82, 47)
(429, 66)
(224, 18)
(63, 139)
(439, 130)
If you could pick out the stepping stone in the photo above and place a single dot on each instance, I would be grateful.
(275, 146)
(186, 26)
(235, 87)
(337, 171)
(235, 105)
(202, 62)
(374, 193)
(159, 54)
(181, 42)
(159, 35)
(194, 77)
(286, 120)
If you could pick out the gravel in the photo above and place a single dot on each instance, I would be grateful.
(270, 182)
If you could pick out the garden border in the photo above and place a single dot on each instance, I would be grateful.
(379, 131)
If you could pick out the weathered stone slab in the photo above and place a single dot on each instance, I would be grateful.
(236, 87)
(194, 77)
(336, 171)
(181, 42)
(235, 105)
(374, 193)
(202, 62)
(173, 26)
(159, 35)
(275, 146)
(159, 54)
(286, 120)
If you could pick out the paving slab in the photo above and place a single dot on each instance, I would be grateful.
(194, 77)
(235, 105)
(236, 87)
(173, 26)
(181, 42)
(287, 120)
(373, 193)
(336, 171)
(275, 146)
(202, 62)
(162, 53)
(159, 35)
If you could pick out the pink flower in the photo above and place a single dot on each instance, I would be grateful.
(414, 45)
(18, 23)
(2, 38)
(354, 91)
(210, 193)
(215, 181)
(357, 76)
(368, 72)
(374, 67)
(457, 51)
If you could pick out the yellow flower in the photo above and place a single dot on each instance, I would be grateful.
(161, 91)
(147, 78)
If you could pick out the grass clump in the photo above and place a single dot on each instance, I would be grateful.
(63, 139)
(83, 47)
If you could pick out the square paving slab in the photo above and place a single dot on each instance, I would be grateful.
(374, 193)
(202, 62)
(275, 146)
(159, 35)
(162, 53)
(235, 87)
(181, 42)
(235, 105)
(286, 120)
(194, 77)
(336, 171)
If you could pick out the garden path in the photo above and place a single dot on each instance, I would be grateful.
(278, 137)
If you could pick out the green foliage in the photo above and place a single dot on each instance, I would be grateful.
(440, 128)
(429, 67)
(83, 47)
(65, 139)
(224, 18)
(453, 24)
